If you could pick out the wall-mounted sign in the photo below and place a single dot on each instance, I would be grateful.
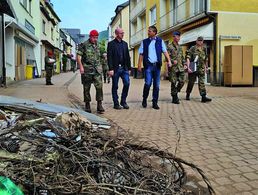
(30, 27)
(233, 37)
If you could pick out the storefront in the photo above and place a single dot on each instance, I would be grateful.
(4, 9)
(188, 39)
(25, 46)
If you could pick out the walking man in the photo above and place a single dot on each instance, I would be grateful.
(88, 59)
(150, 51)
(197, 63)
(177, 71)
(119, 67)
(105, 68)
(49, 66)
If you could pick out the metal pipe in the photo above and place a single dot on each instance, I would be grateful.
(220, 62)
(214, 18)
(3, 52)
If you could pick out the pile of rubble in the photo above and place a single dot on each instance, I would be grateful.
(66, 154)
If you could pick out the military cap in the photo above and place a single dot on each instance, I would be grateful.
(176, 33)
(200, 38)
(94, 33)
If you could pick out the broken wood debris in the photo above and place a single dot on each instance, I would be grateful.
(66, 155)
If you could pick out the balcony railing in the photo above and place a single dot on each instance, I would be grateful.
(138, 36)
(187, 9)
(138, 9)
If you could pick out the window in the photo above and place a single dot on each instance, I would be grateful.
(173, 8)
(44, 26)
(133, 4)
(26, 4)
(163, 5)
(29, 8)
(52, 33)
(199, 6)
(173, 4)
(134, 27)
(153, 16)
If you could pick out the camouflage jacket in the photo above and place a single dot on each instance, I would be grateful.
(176, 53)
(202, 57)
(104, 64)
(49, 62)
(91, 57)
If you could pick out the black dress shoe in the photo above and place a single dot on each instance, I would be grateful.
(117, 107)
(144, 103)
(124, 105)
(155, 106)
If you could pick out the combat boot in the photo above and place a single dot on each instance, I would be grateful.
(205, 99)
(87, 107)
(175, 99)
(187, 97)
(100, 108)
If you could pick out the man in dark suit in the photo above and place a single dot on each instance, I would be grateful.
(119, 67)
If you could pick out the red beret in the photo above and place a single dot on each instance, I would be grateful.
(49, 53)
(94, 33)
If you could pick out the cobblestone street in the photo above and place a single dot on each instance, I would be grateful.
(220, 137)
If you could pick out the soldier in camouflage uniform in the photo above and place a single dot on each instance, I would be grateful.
(200, 51)
(91, 70)
(49, 66)
(105, 67)
(177, 70)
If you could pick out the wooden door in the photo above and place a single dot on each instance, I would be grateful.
(247, 65)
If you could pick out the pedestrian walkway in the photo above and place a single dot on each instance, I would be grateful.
(220, 137)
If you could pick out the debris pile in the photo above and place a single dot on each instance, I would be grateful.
(67, 155)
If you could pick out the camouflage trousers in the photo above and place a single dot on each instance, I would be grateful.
(87, 80)
(191, 81)
(49, 73)
(177, 80)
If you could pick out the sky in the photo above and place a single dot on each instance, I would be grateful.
(86, 14)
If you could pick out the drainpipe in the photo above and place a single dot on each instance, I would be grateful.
(214, 19)
(3, 53)
(133, 56)
(220, 62)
